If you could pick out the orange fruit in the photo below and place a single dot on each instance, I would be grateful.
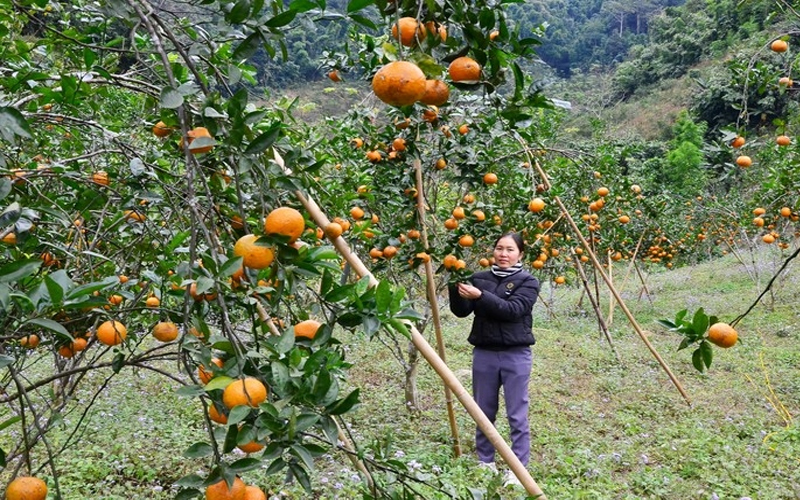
(493, 35)
(254, 493)
(357, 213)
(409, 31)
(10, 239)
(560, 280)
(399, 83)
(79, 344)
(399, 144)
(744, 161)
(26, 488)
(306, 329)
(111, 332)
(206, 375)
(723, 335)
(165, 331)
(115, 300)
(123, 278)
(636, 189)
(152, 302)
(334, 75)
(786, 212)
(430, 114)
(463, 129)
(783, 140)
(441, 163)
(424, 257)
(466, 241)
(101, 177)
(207, 296)
(450, 261)
(216, 416)
(251, 447)
(285, 221)
(253, 255)
(536, 205)
(247, 391)
(333, 230)
(768, 239)
(490, 178)
(738, 141)
(134, 215)
(458, 213)
(389, 251)
(469, 198)
(464, 69)
(779, 46)
(785, 81)
(221, 491)
(357, 142)
(624, 219)
(161, 129)
(375, 253)
(66, 351)
(484, 262)
(194, 134)
(414, 234)
(30, 341)
(450, 224)
(759, 211)
(436, 93)
(603, 191)
(758, 222)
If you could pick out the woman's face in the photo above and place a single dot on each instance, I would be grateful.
(506, 252)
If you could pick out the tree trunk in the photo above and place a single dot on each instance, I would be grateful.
(412, 395)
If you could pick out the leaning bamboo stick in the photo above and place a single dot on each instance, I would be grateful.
(433, 359)
(437, 322)
(599, 268)
(595, 305)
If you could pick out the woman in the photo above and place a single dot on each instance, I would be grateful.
(502, 300)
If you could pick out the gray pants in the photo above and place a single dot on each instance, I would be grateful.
(511, 369)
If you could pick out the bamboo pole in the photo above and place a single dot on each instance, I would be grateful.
(595, 305)
(437, 322)
(599, 268)
(430, 355)
(611, 302)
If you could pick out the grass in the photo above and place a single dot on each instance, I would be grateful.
(602, 429)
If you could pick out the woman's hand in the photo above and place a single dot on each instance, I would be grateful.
(468, 291)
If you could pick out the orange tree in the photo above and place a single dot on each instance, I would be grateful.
(139, 189)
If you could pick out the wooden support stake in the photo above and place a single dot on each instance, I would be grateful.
(595, 306)
(437, 322)
(599, 268)
(430, 355)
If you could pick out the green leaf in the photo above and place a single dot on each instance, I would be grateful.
(191, 391)
(700, 322)
(707, 352)
(2, 458)
(176, 241)
(239, 12)
(697, 360)
(281, 19)
(356, 5)
(681, 314)
(12, 123)
(248, 47)
(364, 21)
(344, 405)
(667, 324)
(54, 290)
(5, 360)
(302, 5)
(170, 98)
(5, 188)
(383, 296)
(11, 421)
(11, 214)
(280, 376)
(276, 466)
(230, 439)
(218, 382)
(191, 480)
(189, 494)
(264, 141)
(300, 452)
(246, 464)
(118, 362)
(229, 267)
(53, 326)
(238, 413)
(19, 269)
(400, 327)
(198, 450)
(371, 324)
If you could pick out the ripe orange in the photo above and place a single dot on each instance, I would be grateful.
(783, 140)
(111, 332)
(759, 211)
(493, 35)
(464, 69)
(410, 31)
(738, 142)
(10, 239)
(247, 391)
(414, 234)
(603, 191)
(285, 221)
(469, 198)
(723, 335)
(436, 93)
(30, 341)
(490, 178)
(357, 142)
(785, 81)
(216, 415)
(254, 493)
(161, 129)
(441, 163)
(466, 241)
(357, 213)
(333, 230)
(26, 488)
(744, 161)
(450, 262)
(430, 114)
(624, 219)
(399, 83)
(536, 205)
(768, 239)
(758, 222)
(389, 251)
(479, 215)
(152, 302)
(458, 213)
(134, 215)
(79, 344)
(560, 280)
(786, 212)
(115, 300)
(424, 257)
(221, 491)
(306, 329)
(165, 331)
(194, 134)
(636, 188)
(198, 297)
(253, 255)
(206, 375)
(779, 46)
(101, 177)
(375, 253)
(484, 262)
(450, 224)
(463, 129)
(334, 75)
(66, 351)
(399, 144)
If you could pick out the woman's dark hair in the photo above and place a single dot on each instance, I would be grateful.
(514, 236)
